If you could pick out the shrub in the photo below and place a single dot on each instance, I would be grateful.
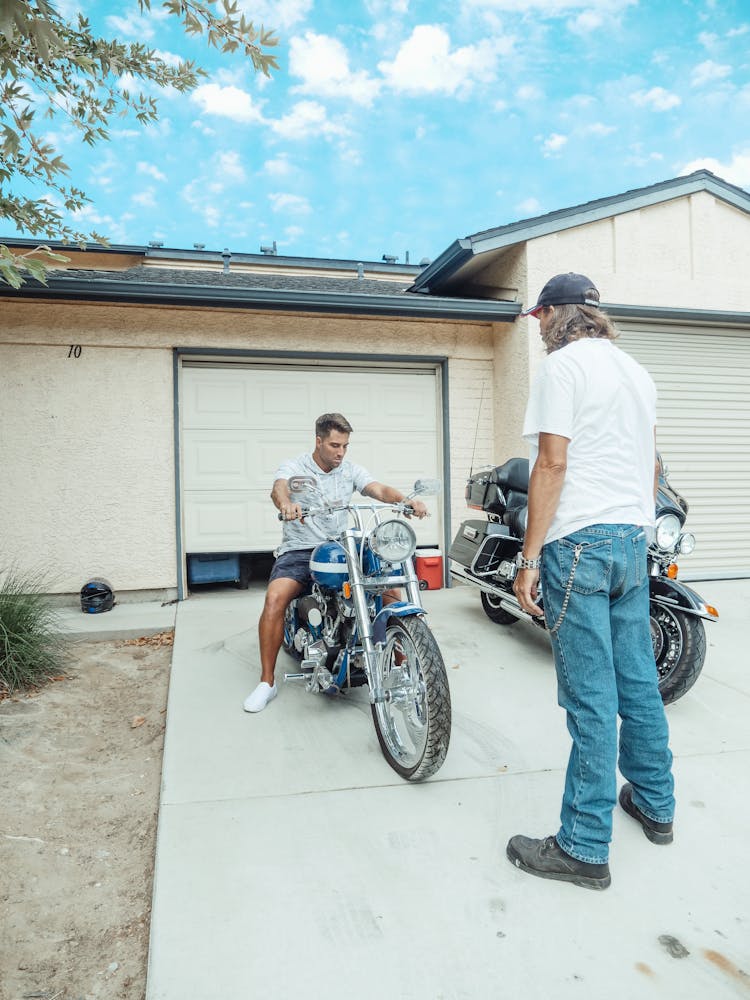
(33, 646)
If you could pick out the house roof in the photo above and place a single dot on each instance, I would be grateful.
(443, 276)
(236, 288)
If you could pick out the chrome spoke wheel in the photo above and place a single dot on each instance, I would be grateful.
(413, 719)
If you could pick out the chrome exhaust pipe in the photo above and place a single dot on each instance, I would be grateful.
(507, 601)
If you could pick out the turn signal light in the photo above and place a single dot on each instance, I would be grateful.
(346, 589)
(672, 571)
(712, 610)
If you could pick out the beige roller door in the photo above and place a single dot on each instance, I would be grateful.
(239, 422)
(703, 378)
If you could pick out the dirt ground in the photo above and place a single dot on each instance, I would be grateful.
(80, 770)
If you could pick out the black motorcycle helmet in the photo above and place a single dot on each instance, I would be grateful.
(97, 596)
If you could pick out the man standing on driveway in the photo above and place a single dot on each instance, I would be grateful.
(338, 479)
(590, 421)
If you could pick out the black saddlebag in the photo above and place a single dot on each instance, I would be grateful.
(481, 546)
(482, 493)
(495, 490)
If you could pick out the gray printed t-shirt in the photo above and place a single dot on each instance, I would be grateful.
(338, 484)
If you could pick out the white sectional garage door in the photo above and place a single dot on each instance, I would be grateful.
(239, 422)
(703, 378)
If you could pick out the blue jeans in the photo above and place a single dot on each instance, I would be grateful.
(605, 667)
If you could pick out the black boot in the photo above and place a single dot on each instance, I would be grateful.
(547, 859)
(657, 833)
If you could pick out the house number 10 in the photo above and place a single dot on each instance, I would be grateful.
(75, 351)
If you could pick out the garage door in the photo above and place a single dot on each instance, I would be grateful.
(238, 423)
(703, 378)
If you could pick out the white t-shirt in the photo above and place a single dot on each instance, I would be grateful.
(338, 484)
(602, 400)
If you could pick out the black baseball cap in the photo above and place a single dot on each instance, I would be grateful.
(565, 289)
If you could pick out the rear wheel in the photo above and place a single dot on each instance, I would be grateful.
(679, 642)
(413, 723)
(496, 614)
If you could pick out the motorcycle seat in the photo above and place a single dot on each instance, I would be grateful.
(512, 475)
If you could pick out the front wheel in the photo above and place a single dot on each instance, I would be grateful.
(413, 723)
(679, 642)
(496, 614)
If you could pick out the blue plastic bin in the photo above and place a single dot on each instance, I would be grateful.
(213, 567)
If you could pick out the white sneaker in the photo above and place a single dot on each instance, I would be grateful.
(257, 700)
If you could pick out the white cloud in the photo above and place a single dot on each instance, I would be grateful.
(229, 167)
(736, 170)
(551, 8)
(293, 232)
(148, 168)
(742, 30)
(529, 92)
(657, 98)
(278, 167)
(553, 144)
(307, 118)
(132, 25)
(640, 159)
(227, 102)
(598, 128)
(586, 22)
(168, 57)
(206, 195)
(323, 64)
(381, 8)
(707, 71)
(425, 63)
(528, 207)
(275, 14)
(350, 155)
(203, 128)
(708, 39)
(201, 204)
(145, 198)
(293, 203)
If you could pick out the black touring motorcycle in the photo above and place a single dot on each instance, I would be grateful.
(483, 554)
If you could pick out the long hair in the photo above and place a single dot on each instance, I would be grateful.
(573, 322)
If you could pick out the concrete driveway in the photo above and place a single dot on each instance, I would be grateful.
(292, 862)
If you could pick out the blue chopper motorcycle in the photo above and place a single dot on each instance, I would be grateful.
(346, 637)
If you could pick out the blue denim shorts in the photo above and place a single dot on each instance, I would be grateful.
(294, 565)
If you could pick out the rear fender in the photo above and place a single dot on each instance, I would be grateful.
(671, 594)
(399, 609)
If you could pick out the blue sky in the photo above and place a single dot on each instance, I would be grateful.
(401, 125)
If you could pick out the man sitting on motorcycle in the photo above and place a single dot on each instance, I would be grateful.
(337, 478)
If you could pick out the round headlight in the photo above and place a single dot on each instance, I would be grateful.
(667, 531)
(687, 543)
(394, 541)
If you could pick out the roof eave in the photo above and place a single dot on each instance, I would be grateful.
(97, 290)
(679, 317)
(459, 252)
(449, 261)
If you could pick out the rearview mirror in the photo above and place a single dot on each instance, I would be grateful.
(427, 487)
(298, 484)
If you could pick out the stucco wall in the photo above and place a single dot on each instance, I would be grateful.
(674, 254)
(93, 436)
(87, 484)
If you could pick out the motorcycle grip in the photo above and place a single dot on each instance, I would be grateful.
(280, 516)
